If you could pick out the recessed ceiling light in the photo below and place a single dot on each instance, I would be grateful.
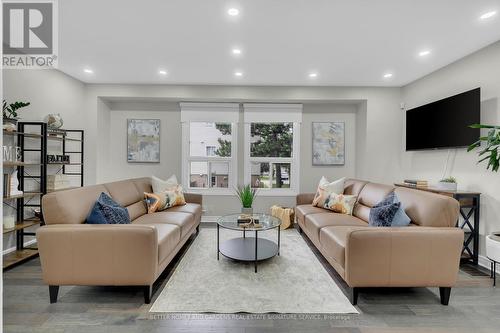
(88, 71)
(387, 75)
(233, 11)
(236, 51)
(238, 74)
(488, 15)
(313, 75)
(162, 72)
(424, 53)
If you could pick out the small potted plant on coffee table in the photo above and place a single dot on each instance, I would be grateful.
(246, 194)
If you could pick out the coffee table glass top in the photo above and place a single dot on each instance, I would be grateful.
(265, 221)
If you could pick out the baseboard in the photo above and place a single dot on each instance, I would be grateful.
(209, 219)
(484, 262)
(12, 249)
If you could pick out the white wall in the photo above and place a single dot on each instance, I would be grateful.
(481, 69)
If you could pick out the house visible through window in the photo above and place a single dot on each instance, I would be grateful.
(209, 154)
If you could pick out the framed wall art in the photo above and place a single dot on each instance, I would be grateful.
(143, 140)
(328, 146)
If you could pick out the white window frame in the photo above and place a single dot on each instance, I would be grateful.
(274, 113)
(227, 113)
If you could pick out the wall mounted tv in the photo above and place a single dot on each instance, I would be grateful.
(444, 123)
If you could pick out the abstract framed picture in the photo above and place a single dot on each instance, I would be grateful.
(328, 143)
(143, 140)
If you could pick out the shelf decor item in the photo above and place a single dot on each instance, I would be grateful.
(448, 184)
(328, 143)
(247, 195)
(10, 115)
(143, 140)
(54, 121)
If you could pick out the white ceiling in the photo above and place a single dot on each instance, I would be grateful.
(349, 42)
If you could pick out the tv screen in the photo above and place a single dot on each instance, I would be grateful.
(444, 123)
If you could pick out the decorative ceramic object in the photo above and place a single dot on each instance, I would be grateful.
(9, 124)
(248, 211)
(14, 184)
(54, 120)
(447, 186)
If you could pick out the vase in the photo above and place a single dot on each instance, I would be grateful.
(10, 124)
(447, 186)
(247, 210)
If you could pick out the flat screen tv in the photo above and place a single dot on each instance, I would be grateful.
(444, 123)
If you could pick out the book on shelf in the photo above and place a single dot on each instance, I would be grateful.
(416, 183)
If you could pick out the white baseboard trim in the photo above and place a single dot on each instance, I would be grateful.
(12, 249)
(210, 219)
(484, 262)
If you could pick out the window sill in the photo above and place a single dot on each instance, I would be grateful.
(228, 192)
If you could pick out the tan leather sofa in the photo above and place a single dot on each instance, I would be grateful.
(75, 253)
(424, 254)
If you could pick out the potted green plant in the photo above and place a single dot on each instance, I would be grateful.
(448, 184)
(491, 151)
(10, 113)
(246, 194)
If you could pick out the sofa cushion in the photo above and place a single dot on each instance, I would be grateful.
(373, 193)
(169, 236)
(333, 241)
(185, 221)
(70, 206)
(190, 208)
(315, 222)
(302, 210)
(125, 192)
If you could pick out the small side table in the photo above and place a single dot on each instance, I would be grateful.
(493, 253)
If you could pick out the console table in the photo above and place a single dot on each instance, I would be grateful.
(469, 210)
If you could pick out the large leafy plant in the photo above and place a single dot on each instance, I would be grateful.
(10, 110)
(247, 195)
(490, 151)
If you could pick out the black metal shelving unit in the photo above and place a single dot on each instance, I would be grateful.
(33, 169)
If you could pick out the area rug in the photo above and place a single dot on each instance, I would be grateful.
(294, 282)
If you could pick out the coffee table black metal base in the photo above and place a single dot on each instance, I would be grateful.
(248, 249)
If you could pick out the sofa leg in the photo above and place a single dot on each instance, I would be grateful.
(354, 295)
(444, 293)
(53, 292)
(198, 229)
(148, 293)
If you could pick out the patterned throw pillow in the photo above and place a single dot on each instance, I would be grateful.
(107, 211)
(382, 214)
(157, 202)
(340, 203)
(325, 188)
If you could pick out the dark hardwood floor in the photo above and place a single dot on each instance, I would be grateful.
(474, 307)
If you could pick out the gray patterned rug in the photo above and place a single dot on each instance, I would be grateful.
(294, 282)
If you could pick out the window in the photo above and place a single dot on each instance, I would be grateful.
(271, 154)
(209, 156)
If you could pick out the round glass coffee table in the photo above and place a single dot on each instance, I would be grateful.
(245, 248)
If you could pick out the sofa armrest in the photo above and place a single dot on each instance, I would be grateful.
(305, 198)
(110, 254)
(194, 198)
(403, 257)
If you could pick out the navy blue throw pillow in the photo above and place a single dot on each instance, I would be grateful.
(382, 214)
(107, 211)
